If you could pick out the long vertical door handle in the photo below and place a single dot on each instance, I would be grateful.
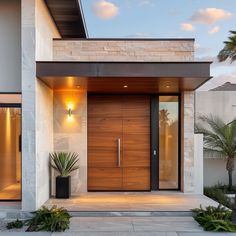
(118, 152)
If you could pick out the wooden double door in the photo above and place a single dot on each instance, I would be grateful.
(118, 142)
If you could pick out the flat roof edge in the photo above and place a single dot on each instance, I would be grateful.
(128, 39)
(129, 62)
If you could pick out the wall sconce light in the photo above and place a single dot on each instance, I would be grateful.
(69, 112)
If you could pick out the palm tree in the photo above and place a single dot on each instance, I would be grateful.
(229, 50)
(219, 138)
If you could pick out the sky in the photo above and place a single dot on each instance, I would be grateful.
(208, 21)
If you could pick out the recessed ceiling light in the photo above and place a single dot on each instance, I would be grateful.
(167, 86)
(125, 86)
(78, 86)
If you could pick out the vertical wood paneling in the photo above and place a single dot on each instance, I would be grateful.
(118, 116)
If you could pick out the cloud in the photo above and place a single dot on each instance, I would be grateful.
(146, 3)
(187, 27)
(214, 30)
(105, 10)
(210, 16)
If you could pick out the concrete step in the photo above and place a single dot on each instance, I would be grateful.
(18, 214)
(129, 213)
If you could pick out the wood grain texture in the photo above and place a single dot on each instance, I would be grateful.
(136, 178)
(119, 116)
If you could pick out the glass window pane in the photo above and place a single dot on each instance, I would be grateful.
(168, 141)
(10, 154)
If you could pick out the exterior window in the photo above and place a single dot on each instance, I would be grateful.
(10, 147)
(168, 142)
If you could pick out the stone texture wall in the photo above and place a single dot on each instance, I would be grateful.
(37, 123)
(44, 140)
(45, 32)
(28, 106)
(187, 142)
(121, 50)
(70, 133)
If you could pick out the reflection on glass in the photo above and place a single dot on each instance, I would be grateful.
(168, 142)
(10, 156)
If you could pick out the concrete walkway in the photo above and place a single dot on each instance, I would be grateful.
(128, 226)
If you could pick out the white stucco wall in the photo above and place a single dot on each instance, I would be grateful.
(10, 46)
(222, 104)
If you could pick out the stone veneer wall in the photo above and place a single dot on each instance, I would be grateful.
(123, 50)
(70, 134)
(44, 139)
(187, 141)
(37, 133)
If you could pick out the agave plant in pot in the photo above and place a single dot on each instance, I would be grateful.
(64, 163)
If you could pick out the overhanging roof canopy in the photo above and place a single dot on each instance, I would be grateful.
(111, 76)
(68, 17)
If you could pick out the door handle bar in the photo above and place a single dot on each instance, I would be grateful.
(118, 152)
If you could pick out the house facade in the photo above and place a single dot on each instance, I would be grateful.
(126, 106)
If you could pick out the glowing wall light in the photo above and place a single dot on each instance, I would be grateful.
(70, 112)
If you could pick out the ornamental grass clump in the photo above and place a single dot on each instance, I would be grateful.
(64, 162)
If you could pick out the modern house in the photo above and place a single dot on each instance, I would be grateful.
(220, 102)
(126, 106)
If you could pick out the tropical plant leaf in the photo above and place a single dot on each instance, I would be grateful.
(64, 162)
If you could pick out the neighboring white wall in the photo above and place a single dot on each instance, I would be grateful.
(10, 46)
(219, 103)
(222, 104)
(44, 140)
(198, 163)
(70, 133)
(215, 172)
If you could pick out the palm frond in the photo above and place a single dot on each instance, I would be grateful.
(229, 50)
(219, 137)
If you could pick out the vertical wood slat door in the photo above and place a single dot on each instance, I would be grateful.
(113, 117)
(136, 142)
(104, 129)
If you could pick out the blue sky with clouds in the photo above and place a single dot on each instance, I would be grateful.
(208, 21)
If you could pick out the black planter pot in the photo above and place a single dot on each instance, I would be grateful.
(63, 187)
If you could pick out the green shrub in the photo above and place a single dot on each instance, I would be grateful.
(217, 219)
(17, 224)
(225, 188)
(53, 220)
(218, 195)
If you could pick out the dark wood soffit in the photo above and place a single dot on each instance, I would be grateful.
(124, 69)
(68, 17)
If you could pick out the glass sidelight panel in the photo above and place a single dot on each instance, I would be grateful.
(10, 153)
(168, 142)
